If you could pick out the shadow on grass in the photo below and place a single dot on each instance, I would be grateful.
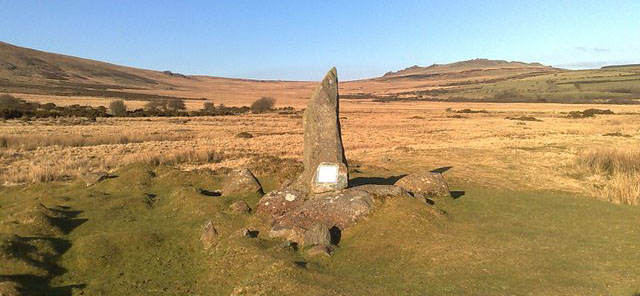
(36, 286)
(442, 169)
(210, 192)
(25, 248)
(457, 194)
(67, 220)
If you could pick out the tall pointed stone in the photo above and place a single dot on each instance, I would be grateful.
(323, 138)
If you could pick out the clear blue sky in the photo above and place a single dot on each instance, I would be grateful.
(300, 40)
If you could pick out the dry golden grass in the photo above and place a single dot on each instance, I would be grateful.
(610, 161)
(616, 173)
(32, 142)
(483, 149)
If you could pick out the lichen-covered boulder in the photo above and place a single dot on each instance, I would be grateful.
(275, 204)
(341, 209)
(311, 221)
(240, 182)
(425, 184)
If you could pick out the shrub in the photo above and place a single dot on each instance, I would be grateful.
(156, 105)
(524, 118)
(592, 112)
(10, 102)
(118, 108)
(469, 111)
(208, 107)
(263, 104)
(244, 135)
(176, 104)
(588, 113)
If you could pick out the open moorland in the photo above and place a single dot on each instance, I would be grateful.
(543, 166)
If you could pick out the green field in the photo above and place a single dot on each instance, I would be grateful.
(620, 85)
(138, 234)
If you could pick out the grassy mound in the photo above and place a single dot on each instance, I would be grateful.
(138, 234)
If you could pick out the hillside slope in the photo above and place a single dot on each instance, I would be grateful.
(50, 77)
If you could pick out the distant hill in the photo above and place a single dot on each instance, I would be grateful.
(43, 75)
(19, 64)
(621, 66)
(49, 77)
(465, 66)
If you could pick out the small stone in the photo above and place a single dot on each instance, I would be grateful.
(241, 182)
(289, 246)
(209, 236)
(425, 184)
(300, 264)
(94, 178)
(240, 207)
(320, 250)
(250, 233)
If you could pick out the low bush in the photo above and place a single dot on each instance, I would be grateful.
(588, 113)
(244, 135)
(470, 111)
(118, 108)
(262, 105)
(524, 118)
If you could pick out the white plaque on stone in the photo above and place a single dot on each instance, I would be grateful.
(327, 173)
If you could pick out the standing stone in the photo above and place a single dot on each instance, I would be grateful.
(322, 134)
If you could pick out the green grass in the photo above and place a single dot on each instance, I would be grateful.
(584, 86)
(491, 242)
